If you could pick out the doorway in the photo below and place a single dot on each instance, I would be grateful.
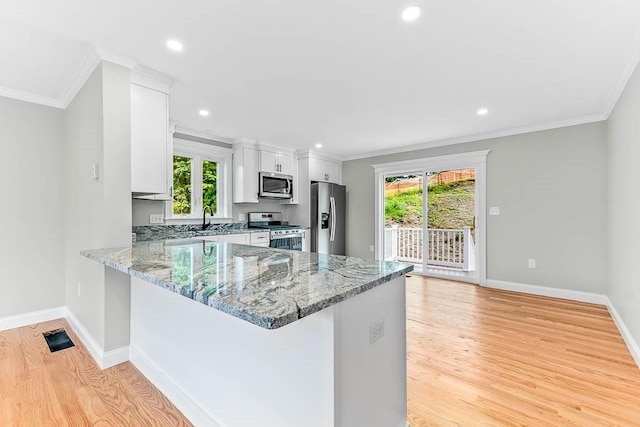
(431, 213)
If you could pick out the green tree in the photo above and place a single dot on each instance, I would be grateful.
(181, 185)
(210, 185)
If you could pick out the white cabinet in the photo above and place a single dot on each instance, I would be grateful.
(245, 175)
(150, 142)
(276, 162)
(241, 238)
(325, 170)
(260, 239)
(306, 241)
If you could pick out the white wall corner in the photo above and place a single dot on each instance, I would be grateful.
(181, 399)
(548, 292)
(26, 319)
(630, 64)
(103, 359)
(632, 345)
(86, 67)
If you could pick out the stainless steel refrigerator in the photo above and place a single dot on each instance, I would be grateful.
(328, 207)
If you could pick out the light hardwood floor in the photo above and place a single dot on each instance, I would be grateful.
(479, 356)
(66, 388)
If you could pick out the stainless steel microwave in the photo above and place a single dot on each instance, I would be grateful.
(275, 185)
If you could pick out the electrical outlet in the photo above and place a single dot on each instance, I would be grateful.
(79, 288)
(156, 219)
(372, 248)
(532, 263)
(494, 210)
(242, 217)
(376, 331)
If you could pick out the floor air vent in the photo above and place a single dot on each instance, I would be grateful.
(58, 340)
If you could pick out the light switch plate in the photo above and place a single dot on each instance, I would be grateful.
(494, 210)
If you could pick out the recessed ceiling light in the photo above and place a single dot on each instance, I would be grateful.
(318, 145)
(483, 112)
(174, 45)
(411, 13)
(204, 113)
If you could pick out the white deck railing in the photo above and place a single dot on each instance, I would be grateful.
(445, 247)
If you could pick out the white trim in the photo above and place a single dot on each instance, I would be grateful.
(30, 97)
(176, 394)
(103, 359)
(204, 135)
(80, 77)
(472, 160)
(26, 319)
(117, 58)
(632, 345)
(151, 79)
(548, 291)
(631, 62)
(303, 154)
(431, 162)
(481, 136)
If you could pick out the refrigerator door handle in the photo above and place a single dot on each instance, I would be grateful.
(332, 202)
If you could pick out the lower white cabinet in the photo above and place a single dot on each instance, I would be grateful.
(260, 239)
(241, 238)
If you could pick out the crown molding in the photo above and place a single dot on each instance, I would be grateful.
(123, 60)
(631, 62)
(481, 136)
(204, 135)
(151, 79)
(82, 74)
(305, 153)
(30, 97)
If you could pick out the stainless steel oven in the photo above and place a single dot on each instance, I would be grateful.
(281, 236)
(287, 239)
(275, 185)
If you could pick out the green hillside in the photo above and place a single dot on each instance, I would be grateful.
(450, 206)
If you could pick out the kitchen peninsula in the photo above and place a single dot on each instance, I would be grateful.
(257, 336)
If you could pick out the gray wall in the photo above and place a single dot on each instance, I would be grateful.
(624, 205)
(32, 214)
(98, 212)
(551, 190)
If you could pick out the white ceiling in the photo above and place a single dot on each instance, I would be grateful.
(350, 74)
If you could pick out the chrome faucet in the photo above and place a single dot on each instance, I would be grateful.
(205, 224)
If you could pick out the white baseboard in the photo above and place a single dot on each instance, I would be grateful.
(632, 345)
(548, 292)
(183, 401)
(103, 359)
(27, 319)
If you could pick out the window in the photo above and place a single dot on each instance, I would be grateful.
(200, 181)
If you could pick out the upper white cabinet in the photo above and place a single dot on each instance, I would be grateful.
(149, 136)
(275, 162)
(325, 170)
(151, 142)
(246, 164)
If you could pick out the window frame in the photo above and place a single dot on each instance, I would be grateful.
(198, 152)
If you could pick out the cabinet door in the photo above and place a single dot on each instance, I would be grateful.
(268, 161)
(285, 164)
(332, 171)
(242, 239)
(149, 131)
(246, 164)
(260, 239)
(316, 170)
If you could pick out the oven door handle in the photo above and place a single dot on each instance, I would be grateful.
(286, 236)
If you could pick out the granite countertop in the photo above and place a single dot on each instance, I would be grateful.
(162, 232)
(267, 287)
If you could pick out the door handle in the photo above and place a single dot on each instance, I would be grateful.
(332, 203)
